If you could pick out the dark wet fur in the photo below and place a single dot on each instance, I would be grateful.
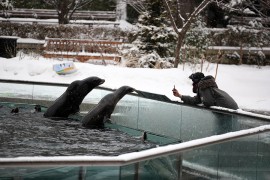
(96, 117)
(68, 103)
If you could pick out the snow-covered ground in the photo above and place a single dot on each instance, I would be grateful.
(248, 85)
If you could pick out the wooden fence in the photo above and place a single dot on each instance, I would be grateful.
(83, 50)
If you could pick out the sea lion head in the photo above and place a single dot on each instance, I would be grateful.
(123, 90)
(77, 90)
(126, 89)
(87, 85)
(93, 81)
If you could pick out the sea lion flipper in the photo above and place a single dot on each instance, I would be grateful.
(107, 120)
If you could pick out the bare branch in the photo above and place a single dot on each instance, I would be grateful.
(138, 5)
(256, 9)
(171, 16)
(66, 8)
(194, 14)
(179, 12)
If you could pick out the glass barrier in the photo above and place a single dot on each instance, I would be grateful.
(243, 158)
(21, 91)
(44, 94)
(160, 117)
(61, 173)
(169, 119)
(178, 121)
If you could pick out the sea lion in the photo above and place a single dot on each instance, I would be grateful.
(69, 102)
(15, 110)
(37, 108)
(96, 117)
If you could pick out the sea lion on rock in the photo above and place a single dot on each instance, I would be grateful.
(69, 102)
(96, 117)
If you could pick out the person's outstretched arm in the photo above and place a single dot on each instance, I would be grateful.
(187, 99)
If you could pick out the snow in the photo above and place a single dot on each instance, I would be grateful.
(247, 84)
(121, 23)
(30, 41)
(9, 37)
(124, 25)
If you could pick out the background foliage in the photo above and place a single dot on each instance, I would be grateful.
(98, 5)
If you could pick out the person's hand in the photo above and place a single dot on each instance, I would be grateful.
(176, 93)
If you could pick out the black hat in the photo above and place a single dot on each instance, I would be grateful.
(196, 77)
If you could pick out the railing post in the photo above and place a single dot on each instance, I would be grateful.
(136, 174)
(82, 173)
(180, 169)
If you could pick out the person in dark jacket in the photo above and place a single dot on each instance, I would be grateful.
(207, 92)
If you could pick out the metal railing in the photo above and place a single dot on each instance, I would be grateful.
(130, 158)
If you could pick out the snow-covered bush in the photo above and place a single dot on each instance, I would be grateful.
(134, 58)
(261, 58)
(153, 34)
(6, 4)
(153, 60)
(40, 31)
(233, 57)
(197, 38)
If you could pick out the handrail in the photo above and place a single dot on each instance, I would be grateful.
(129, 158)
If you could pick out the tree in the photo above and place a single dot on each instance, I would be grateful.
(6, 5)
(154, 35)
(182, 21)
(101, 5)
(66, 8)
(185, 20)
(29, 4)
(246, 15)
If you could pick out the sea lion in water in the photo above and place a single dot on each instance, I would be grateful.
(69, 102)
(15, 110)
(96, 117)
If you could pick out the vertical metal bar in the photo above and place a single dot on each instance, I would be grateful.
(179, 166)
(120, 173)
(82, 173)
(136, 174)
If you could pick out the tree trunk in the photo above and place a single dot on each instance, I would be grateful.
(63, 18)
(185, 25)
(178, 50)
(241, 53)
(63, 11)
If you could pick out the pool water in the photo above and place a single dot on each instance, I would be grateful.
(28, 133)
